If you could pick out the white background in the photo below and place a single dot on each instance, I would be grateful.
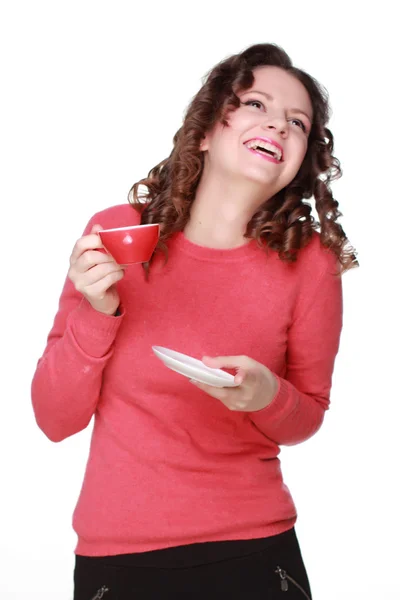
(92, 93)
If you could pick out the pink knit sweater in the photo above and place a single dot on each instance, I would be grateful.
(168, 464)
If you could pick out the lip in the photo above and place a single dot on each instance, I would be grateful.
(268, 141)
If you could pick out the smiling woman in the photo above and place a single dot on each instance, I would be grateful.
(257, 92)
(268, 130)
(183, 495)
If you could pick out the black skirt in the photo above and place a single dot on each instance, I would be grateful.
(264, 569)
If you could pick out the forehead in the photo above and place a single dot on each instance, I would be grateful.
(282, 86)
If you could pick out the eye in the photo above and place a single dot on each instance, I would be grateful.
(299, 124)
(255, 103)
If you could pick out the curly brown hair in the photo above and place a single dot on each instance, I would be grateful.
(284, 222)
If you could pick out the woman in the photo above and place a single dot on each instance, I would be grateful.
(183, 495)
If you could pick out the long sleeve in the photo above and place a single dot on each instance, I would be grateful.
(298, 409)
(67, 381)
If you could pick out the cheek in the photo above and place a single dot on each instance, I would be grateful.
(295, 160)
(299, 151)
(223, 143)
(241, 122)
(304, 147)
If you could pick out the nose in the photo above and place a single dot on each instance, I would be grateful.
(277, 123)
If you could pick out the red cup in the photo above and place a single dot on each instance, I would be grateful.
(129, 245)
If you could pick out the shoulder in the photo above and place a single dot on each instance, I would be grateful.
(315, 259)
(120, 215)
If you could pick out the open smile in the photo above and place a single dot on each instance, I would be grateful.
(266, 149)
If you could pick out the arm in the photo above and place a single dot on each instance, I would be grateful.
(67, 381)
(297, 410)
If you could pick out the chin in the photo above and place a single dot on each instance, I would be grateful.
(263, 179)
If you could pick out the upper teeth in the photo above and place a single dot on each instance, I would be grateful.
(261, 144)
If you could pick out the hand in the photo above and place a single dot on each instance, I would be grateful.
(257, 384)
(95, 273)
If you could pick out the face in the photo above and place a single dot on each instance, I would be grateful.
(267, 136)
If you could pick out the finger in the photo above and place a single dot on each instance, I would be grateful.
(98, 289)
(87, 242)
(226, 362)
(99, 272)
(241, 377)
(232, 398)
(215, 392)
(96, 228)
(90, 259)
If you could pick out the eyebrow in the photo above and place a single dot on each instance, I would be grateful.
(270, 98)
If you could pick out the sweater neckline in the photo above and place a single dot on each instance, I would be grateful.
(243, 252)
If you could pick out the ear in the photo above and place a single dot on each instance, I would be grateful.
(204, 145)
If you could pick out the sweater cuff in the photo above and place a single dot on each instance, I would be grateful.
(93, 331)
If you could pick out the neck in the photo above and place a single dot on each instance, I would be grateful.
(221, 211)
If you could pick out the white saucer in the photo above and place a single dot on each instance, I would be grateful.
(193, 368)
